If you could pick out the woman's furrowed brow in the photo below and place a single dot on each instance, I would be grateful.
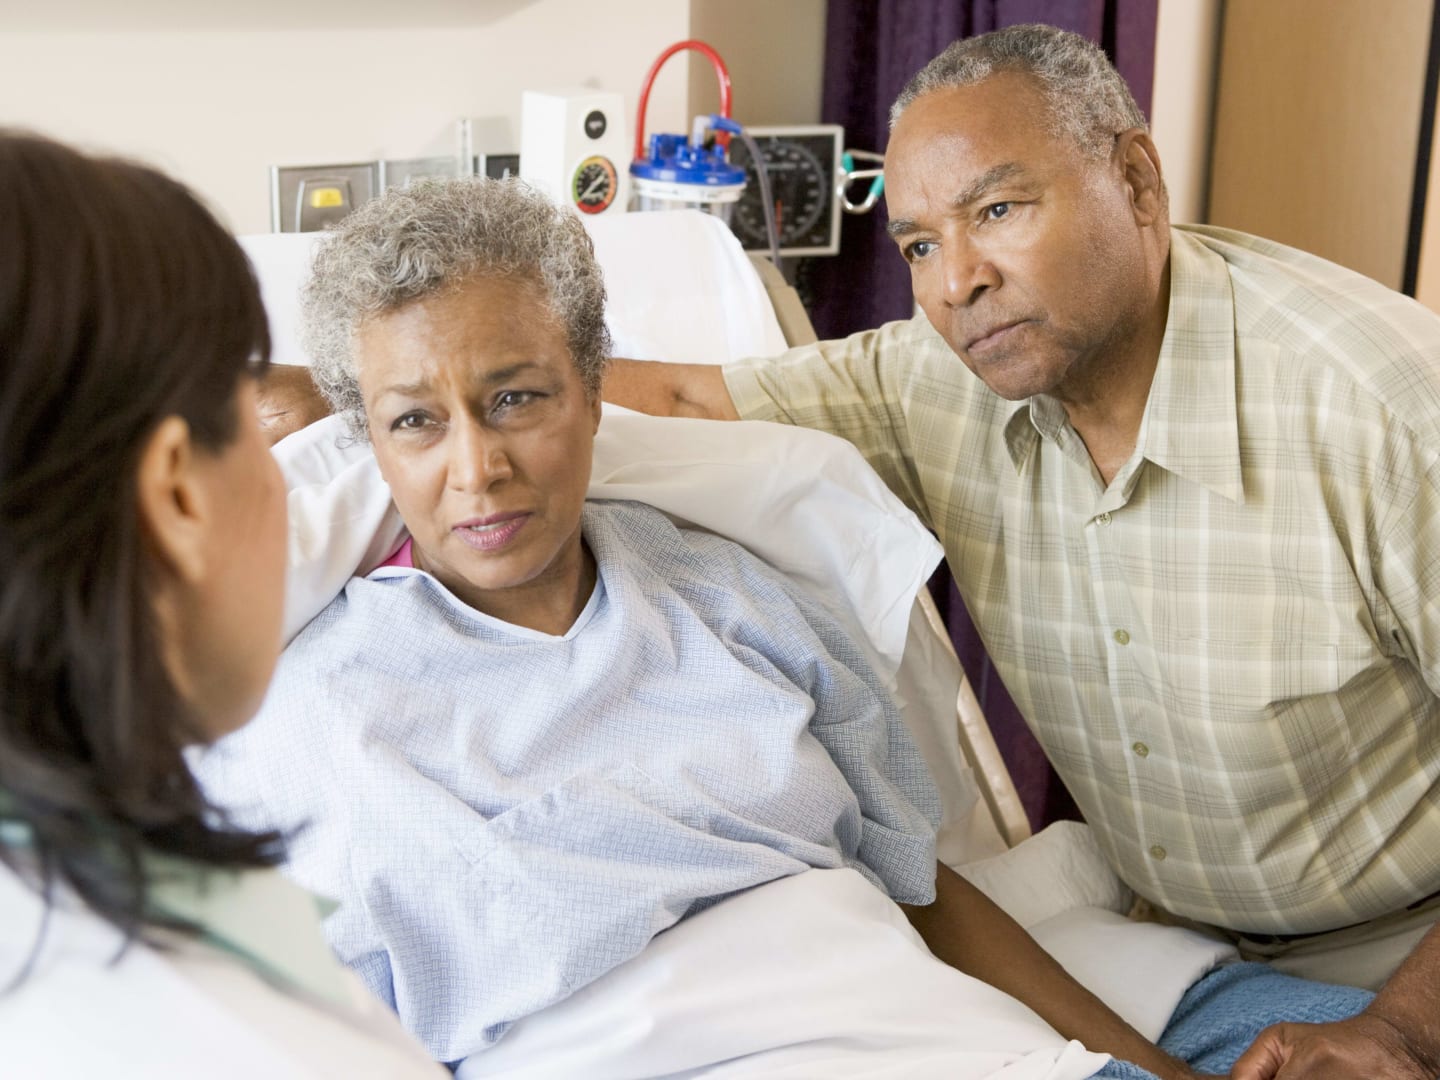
(499, 375)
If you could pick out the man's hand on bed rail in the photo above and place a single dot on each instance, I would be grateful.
(967, 931)
(1364, 1046)
(696, 390)
(288, 401)
(1397, 1036)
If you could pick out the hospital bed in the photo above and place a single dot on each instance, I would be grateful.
(681, 289)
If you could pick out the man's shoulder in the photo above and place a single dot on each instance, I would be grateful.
(1330, 327)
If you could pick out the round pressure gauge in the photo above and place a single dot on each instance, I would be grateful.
(803, 164)
(799, 187)
(595, 184)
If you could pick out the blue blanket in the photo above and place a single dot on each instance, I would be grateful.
(1219, 1017)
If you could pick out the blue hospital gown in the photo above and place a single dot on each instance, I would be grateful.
(505, 816)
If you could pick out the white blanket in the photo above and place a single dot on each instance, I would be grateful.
(817, 975)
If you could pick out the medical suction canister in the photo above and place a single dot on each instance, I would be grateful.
(695, 173)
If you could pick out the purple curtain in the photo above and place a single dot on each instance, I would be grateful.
(872, 48)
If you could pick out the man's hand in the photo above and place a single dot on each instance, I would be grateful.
(288, 402)
(695, 390)
(1364, 1047)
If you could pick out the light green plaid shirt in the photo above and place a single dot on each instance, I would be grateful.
(1231, 654)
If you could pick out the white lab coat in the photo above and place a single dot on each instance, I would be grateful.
(192, 1010)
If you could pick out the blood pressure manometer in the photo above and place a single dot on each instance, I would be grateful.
(803, 163)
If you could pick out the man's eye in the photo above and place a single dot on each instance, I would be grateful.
(920, 249)
(996, 211)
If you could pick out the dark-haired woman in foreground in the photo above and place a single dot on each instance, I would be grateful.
(142, 538)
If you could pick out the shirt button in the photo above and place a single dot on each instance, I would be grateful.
(1141, 750)
(1104, 519)
(1157, 852)
(1122, 638)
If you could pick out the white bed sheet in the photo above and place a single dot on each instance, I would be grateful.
(816, 975)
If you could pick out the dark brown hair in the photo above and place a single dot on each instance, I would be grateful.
(122, 302)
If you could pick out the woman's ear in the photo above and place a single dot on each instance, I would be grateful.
(172, 501)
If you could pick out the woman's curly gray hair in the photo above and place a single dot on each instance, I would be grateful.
(1088, 99)
(430, 237)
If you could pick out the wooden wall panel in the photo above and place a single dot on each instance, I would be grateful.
(1317, 119)
(1427, 280)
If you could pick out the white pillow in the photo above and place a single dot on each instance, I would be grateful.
(1058, 886)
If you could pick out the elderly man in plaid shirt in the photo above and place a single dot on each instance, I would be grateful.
(1188, 482)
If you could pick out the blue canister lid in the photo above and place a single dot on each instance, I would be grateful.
(673, 160)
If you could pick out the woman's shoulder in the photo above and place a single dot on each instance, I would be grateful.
(623, 527)
(190, 1009)
(716, 576)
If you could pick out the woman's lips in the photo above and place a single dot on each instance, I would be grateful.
(491, 533)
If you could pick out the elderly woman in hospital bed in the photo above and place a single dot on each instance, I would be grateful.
(544, 730)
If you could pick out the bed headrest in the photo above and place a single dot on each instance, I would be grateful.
(679, 287)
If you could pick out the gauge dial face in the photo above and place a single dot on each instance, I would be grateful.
(595, 184)
(800, 188)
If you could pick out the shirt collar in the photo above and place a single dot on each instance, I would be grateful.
(1190, 425)
(264, 921)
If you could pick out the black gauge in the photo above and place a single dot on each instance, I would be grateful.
(798, 186)
(801, 163)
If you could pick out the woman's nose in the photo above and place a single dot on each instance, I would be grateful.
(478, 459)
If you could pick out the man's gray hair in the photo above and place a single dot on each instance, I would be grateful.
(430, 238)
(1088, 100)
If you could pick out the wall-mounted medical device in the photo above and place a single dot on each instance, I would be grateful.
(780, 189)
(306, 198)
(573, 147)
(803, 164)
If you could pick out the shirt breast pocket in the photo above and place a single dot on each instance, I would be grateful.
(1255, 705)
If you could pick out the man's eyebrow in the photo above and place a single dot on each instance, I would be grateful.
(986, 182)
(978, 188)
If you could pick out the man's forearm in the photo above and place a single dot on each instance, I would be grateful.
(696, 390)
(967, 931)
(1407, 1002)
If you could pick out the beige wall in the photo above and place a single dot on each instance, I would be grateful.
(218, 92)
(1316, 124)
(1182, 105)
(775, 52)
(1427, 278)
